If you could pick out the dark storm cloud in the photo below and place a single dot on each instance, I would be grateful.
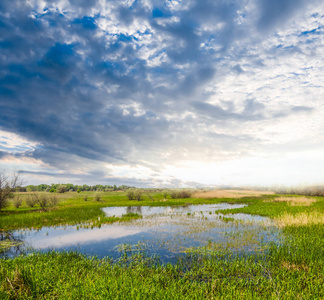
(84, 90)
(277, 12)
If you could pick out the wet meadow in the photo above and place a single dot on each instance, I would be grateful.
(212, 245)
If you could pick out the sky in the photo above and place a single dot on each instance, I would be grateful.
(163, 93)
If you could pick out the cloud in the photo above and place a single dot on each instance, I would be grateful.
(153, 83)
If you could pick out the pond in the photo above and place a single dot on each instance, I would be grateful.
(164, 231)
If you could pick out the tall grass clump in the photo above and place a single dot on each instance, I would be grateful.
(300, 219)
(97, 197)
(294, 201)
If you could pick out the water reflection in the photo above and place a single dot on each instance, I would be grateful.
(165, 231)
(134, 210)
(10, 243)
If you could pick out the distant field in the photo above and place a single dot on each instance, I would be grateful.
(230, 194)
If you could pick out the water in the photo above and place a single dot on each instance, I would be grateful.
(164, 231)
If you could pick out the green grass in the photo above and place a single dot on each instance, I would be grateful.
(202, 274)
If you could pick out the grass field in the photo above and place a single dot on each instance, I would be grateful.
(293, 269)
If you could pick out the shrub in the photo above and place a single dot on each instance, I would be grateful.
(184, 194)
(138, 195)
(130, 194)
(45, 201)
(79, 191)
(173, 194)
(85, 198)
(165, 194)
(17, 201)
(52, 190)
(61, 189)
(97, 197)
(31, 201)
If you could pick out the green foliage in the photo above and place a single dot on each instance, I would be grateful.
(79, 191)
(52, 190)
(97, 197)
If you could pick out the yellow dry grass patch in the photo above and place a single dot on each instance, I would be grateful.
(229, 194)
(295, 201)
(293, 267)
(300, 219)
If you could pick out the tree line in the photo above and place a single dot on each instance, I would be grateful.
(69, 187)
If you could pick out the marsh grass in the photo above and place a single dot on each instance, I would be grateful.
(300, 219)
(203, 273)
(294, 201)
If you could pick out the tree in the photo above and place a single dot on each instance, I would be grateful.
(8, 185)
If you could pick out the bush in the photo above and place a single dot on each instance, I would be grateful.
(31, 201)
(79, 191)
(134, 194)
(52, 190)
(85, 198)
(61, 189)
(138, 195)
(165, 194)
(97, 197)
(174, 194)
(184, 194)
(130, 194)
(17, 201)
(45, 201)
